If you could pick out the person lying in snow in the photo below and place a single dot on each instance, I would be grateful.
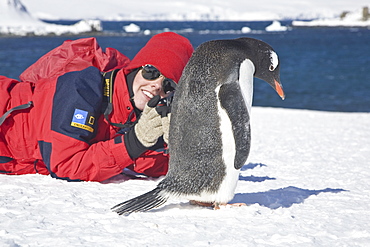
(66, 118)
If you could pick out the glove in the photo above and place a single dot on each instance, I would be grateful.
(146, 131)
(149, 127)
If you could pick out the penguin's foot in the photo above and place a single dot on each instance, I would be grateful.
(215, 205)
(203, 204)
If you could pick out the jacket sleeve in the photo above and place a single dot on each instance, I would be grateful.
(152, 164)
(75, 160)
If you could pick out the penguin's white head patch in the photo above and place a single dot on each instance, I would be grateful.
(274, 61)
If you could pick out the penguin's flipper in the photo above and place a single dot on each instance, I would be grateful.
(232, 101)
(145, 202)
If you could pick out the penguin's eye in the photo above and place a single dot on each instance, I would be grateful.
(271, 68)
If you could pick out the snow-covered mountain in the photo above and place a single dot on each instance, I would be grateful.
(16, 20)
(24, 18)
(180, 10)
(13, 12)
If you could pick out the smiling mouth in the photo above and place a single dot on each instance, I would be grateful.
(148, 94)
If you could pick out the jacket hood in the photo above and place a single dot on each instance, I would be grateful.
(169, 52)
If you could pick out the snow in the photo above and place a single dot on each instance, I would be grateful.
(16, 20)
(306, 182)
(352, 19)
(23, 18)
(189, 9)
(40, 29)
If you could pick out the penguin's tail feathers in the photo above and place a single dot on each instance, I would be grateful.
(143, 203)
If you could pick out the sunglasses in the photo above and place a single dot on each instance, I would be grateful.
(149, 72)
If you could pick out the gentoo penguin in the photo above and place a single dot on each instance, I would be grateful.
(209, 137)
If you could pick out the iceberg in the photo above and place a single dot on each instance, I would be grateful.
(132, 28)
(16, 20)
(246, 30)
(276, 26)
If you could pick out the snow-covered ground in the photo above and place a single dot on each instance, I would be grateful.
(306, 182)
(351, 19)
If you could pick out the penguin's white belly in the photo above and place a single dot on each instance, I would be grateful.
(227, 187)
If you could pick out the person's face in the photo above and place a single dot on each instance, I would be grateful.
(144, 89)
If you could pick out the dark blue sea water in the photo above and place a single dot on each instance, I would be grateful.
(321, 68)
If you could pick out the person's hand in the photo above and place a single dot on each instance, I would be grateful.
(149, 127)
(153, 123)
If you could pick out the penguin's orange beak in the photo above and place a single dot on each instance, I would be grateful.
(279, 89)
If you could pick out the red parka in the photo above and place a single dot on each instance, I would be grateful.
(64, 132)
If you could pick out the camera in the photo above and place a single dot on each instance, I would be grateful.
(164, 105)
